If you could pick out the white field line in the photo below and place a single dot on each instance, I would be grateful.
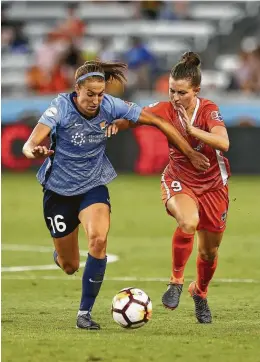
(111, 258)
(120, 279)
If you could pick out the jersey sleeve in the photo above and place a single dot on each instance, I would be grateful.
(51, 117)
(157, 109)
(212, 117)
(125, 110)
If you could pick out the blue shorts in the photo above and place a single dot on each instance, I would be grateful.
(61, 212)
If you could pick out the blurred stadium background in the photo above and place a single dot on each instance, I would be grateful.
(42, 43)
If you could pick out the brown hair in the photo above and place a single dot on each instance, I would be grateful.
(110, 70)
(188, 68)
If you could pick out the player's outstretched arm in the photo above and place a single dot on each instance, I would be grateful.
(32, 148)
(199, 161)
(119, 125)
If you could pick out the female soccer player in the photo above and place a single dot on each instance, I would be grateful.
(76, 170)
(198, 200)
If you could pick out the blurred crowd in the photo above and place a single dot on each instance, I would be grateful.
(55, 59)
(247, 77)
(63, 50)
(13, 39)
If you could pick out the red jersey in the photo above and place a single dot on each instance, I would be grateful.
(205, 116)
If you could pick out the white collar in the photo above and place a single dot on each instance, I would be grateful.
(193, 115)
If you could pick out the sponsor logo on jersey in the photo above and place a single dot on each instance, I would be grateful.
(78, 139)
(199, 147)
(216, 116)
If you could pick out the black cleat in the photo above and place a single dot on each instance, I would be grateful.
(84, 321)
(202, 311)
(171, 297)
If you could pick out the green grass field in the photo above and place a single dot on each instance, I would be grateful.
(39, 307)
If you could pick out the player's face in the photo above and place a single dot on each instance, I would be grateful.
(89, 96)
(181, 92)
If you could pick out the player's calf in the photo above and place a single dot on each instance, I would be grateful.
(69, 267)
(55, 258)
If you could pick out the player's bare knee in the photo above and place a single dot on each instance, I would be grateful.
(208, 255)
(188, 226)
(97, 244)
(70, 267)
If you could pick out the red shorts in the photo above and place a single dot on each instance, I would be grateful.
(212, 205)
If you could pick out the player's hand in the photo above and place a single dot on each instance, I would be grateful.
(111, 130)
(42, 152)
(199, 161)
(185, 117)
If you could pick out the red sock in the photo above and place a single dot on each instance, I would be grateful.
(205, 272)
(182, 245)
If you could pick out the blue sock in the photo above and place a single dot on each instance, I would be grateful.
(55, 256)
(91, 281)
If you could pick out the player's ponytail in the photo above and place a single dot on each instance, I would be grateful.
(191, 59)
(101, 71)
(188, 68)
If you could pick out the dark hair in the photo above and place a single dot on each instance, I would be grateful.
(188, 68)
(110, 70)
(72, 6)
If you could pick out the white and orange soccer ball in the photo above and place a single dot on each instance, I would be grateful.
(131, 308)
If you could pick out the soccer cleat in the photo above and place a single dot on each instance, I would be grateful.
(84, 321)
(202, 311)
(171, 297)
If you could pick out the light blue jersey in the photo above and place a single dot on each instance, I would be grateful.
(79, 162)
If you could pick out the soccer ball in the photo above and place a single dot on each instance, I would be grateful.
(131, 308)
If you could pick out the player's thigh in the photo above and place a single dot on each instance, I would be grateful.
(180, 202)
(67, 248)
(95, 220)
(61, 217)
(94, 213)
(213, 210)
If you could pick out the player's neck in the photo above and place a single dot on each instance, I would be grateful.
(190, 110)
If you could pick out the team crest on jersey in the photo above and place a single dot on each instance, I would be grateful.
(216, 116)
(78, 139)
(103, 125)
